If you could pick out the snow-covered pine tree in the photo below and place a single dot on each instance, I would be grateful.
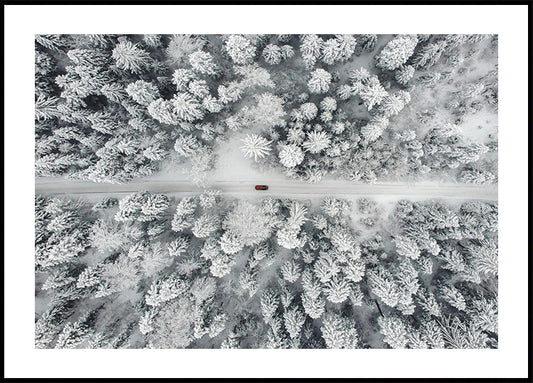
(406, 247)
(291, 155)
(339, 332)
(178, 246)
(255, 146)
(320, 81)
(269, 305)
(382, 283)
(142, 92)
(294, 319)
(241, 50)
(394, 331)
(291, 271)
(316, 141)
(130, 57)
(230, 242)
(396, 52)
(205, 225)
(272, 54)
(203, 62)
(453, 296)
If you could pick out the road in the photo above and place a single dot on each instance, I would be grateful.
(281, 188)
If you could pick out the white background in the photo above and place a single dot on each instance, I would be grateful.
(22, 22)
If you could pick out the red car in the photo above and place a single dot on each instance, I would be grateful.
(261, 187)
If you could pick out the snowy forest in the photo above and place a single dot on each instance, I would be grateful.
(208, 268)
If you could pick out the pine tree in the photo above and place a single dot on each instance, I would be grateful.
(314, 305)
(331, 51)
(291, 271)
(453, 296)
(394, 331)
(142, 92)
(164, 290)
(345, 91)
(114, 92)
(396, 52)
(311, 47)
(432, 334)
(309, 110)
(269, 305)
(453, 260)
(122, 274)
(343, 240)
(46, 108)
(316, 141)
(203, 62)
(339, 332)
(153, 207)
(90, 276)
(294, 319)
(328, 104)
(384, 286)
(205, 225)
(230, 242)
(130, 57)
(429, 54)
(484, 314)
(272, 54)
(354, 269)
(240, 49)
(406, 247)
(72, 335)
(370, 90)
(163, 111)
(287, 52)
(291, 155)
(326, 267)
(415, 340)
(319, 81)
(338, 290)
(186, 108)
(426, 300)
(229, 93)
(404, 74)
(107, 236)
(179, 246)
(231, 342)
(485, 257)
(289, 238)
(249, 223)
(255, 146)
(52, 42)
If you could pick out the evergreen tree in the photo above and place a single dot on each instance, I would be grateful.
(203, 62)
(339, 332)
(291, 155)
(396, 52)
(130, 57)
(383, 285)
(453, 296)
(294, 320)
(255, 146)
(291, 271)
(319, 81)
(316, 141)
(241, 50)
(394, 331)
(269, 305)
(142, 92)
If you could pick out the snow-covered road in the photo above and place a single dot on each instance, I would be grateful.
(276, 188)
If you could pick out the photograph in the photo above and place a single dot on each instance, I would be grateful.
(223, 191)
(266, 191)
